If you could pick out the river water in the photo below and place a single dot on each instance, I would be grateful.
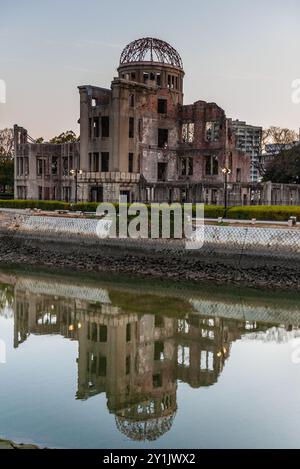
(121, 363)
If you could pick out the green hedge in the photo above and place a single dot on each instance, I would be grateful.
(260, 212)
(41, 204)
(264, 212)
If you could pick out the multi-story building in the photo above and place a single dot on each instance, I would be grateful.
(137, 139)
(248, 139)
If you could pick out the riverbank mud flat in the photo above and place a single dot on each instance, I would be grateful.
(250, 256)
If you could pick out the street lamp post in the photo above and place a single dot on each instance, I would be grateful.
(75, 172)
(226, 172)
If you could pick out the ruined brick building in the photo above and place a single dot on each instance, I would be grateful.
(137, 139)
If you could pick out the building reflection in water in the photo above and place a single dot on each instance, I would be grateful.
(135, 358)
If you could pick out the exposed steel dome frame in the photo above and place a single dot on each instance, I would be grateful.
(149, 49)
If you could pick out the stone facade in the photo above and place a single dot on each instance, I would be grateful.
(136, 139)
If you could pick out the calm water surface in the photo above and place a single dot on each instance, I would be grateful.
(92, 364)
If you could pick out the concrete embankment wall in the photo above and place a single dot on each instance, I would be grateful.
(268, 257)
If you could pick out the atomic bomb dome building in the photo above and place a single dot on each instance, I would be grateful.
(138, 139)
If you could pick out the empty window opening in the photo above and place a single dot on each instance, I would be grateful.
(96, 166)
(211, 165)
(130, 162)
(187, 166)
(103, 334)
(131, 100)
(157, 380)
(96, 127)
(131, 127)
(188, 132)
(65, 167)
(162, 106)
(207, 360)
(94, 332)
(212, 131)
(158, 79)
(183, 356)
(162, 171)
(102, 367)
(140, 130)
(145, 77)
(54, 165)
(163, 138)
(128, 332)
(128, 365)
(94, 102)
(104, 162)
(158, 321)
(158, 350)
(41, 167)
(105, 126)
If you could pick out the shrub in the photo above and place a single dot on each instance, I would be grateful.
(264, 212)
(40, 204)
(260, 212)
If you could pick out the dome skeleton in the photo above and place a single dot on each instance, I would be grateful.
(157, 50)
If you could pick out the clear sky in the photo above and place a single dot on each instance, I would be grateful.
(241, 54)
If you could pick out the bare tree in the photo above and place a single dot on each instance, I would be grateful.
(6, 144)
(278, 137)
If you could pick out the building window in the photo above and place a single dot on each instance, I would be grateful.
(41, 165)
(130, 162)
(96, 127)
(211, 165)
(162, 171)
(54, 165)
(66, 194)
(40, 193)
(103, 334)
(163, 138)
(128, 332)
(187, 166)
(105, 126)
(157, 380)
(128, 365)
(94, 102)
(238, 174)
(140, 130)
(158, 79)
(188, 132)
(102, 367)
(131, 127)
(145, 77)
(158, 321)
(158, 350)
(171, 81)
(96, 161)
(212, 131)
(131, 100)
(65, 166)
(183, 356)
(22, 192)
(206, 360)
(104, 162)
(46, 193)
(162, 106)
